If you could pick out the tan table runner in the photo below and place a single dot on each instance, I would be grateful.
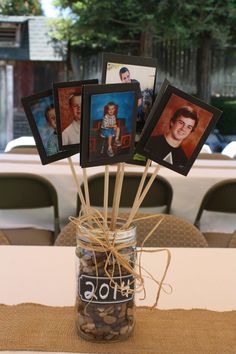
(44, 328)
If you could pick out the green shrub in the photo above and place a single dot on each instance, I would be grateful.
(227, 122)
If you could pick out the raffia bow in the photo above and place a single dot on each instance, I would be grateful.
(97, 238)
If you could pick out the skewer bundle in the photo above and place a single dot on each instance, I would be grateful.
(140, 195)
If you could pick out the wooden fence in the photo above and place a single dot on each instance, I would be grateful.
(177, 63)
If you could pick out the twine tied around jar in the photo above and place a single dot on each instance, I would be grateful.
(97, 238)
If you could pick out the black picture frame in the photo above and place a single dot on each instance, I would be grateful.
(161, 119)
(143, 70)
(63, 93)
(35, 107)
(95, 142)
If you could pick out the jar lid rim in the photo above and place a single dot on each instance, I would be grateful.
(118, 235)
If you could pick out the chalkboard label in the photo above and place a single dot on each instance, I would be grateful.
(98, 290)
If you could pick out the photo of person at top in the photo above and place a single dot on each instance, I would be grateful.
(125, 77)
(109, 128)
(52, 143)
(168, 145)
(71, 134)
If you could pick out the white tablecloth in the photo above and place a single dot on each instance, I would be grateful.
(187, 191)
(200, 278)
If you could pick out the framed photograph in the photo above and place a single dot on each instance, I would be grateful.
(127, 69)
(40, 112)
(67, 99)
(108, 123)
(177, 128)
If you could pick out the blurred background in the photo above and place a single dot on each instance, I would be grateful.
(51, 41)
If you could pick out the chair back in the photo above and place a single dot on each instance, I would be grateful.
(4, 239)
(67, 236)
(159, 195)
(24, 149)
(232, 243)
(22, 145)
(28, 191)
(172, 232)
(221, 197)
(213, 156)
(230, 150)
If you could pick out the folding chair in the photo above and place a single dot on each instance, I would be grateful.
(221, 197)
(25, 191)
(159, 196)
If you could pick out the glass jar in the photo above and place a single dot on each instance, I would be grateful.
(105, 295)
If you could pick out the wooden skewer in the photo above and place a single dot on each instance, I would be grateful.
(86, 189)
(79, 190)
(106, 193)
(140, 188)
(117, 192)
(141, 198)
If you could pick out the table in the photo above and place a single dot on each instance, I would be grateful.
(187, 191)
(201, 278)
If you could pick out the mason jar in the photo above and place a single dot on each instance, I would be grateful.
(105, 292)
